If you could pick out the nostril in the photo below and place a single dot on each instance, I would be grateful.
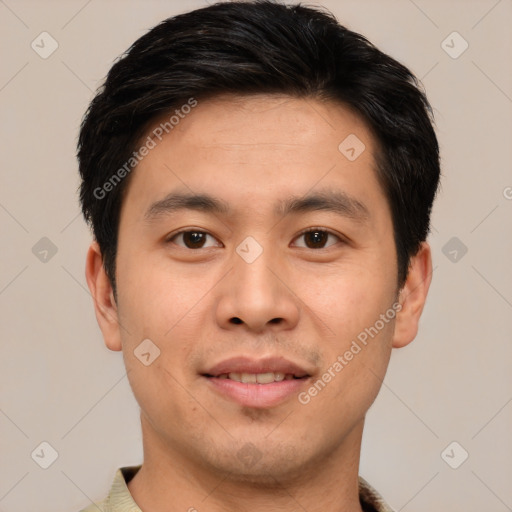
(236, 320)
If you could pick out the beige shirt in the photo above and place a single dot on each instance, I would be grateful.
(119, 498)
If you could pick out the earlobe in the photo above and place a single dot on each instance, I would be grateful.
(413, 297)
(105, 306)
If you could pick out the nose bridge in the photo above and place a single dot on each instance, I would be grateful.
(254, 293)
(253, 279)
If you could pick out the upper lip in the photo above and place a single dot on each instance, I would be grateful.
(243, 364)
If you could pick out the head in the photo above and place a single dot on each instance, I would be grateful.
(246, 124)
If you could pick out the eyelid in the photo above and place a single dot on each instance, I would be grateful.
(340, 237)
(169, 238)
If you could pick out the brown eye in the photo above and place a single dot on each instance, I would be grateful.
(192, 239)
(317, 238)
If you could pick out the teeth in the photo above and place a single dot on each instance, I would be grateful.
(260, 378)
(247, 378)
(265, 378)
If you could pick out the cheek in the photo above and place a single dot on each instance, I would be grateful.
(160, 392)
(155, 297)
(357, 316)
(160, 387)
(155, 304)
(355, 365)
(347, 301)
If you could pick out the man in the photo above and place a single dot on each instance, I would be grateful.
(259, 181)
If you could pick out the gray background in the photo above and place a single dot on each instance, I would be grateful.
(58, 382)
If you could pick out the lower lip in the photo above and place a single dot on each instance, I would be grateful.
(257, 395)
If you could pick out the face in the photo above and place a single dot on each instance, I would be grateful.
(282, 275)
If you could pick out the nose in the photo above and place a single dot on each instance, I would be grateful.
(258, 295)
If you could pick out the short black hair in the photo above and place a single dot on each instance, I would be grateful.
(259, 47)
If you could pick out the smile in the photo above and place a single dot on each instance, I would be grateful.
(259, 378)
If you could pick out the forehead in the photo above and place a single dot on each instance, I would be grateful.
(258, 119)
(256, 148)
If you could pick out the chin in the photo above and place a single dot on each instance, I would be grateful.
(262, 465)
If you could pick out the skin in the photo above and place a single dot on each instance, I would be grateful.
(297, 300)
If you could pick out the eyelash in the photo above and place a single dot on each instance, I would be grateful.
(302, 233)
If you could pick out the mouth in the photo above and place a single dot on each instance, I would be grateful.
(257, 378)
(255, 383)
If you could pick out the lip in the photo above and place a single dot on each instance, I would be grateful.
(253, 394)
(260, 396)
(244, 364)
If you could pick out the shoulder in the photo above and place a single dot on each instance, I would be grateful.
(370, 499)
(119, 498)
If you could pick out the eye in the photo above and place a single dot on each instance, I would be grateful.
(316, 238)
(192, 239)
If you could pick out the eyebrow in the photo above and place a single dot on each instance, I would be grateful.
(327, 200)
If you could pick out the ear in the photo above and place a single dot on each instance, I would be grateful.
(413, 296)
(105, 306)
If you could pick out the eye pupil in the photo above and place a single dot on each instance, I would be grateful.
(193, 239)
(316, 237)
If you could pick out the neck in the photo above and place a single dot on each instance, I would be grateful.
(170, 481)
